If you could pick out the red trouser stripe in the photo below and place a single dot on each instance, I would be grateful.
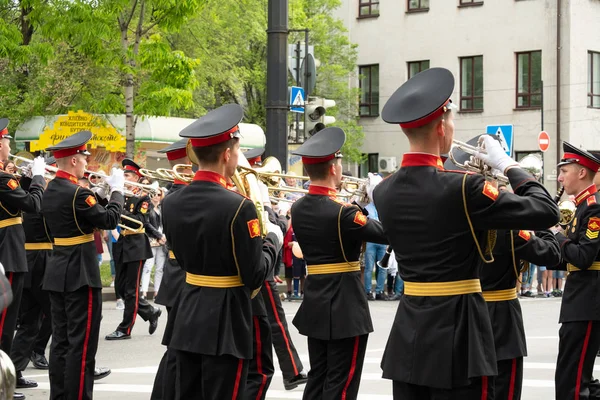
(581, 359)
(88, 328)
(238, 377)
(352, 368)
(137, 298)
(484, 387)
(258, 357)
(513, 378)
(10, 279)
(280, 324)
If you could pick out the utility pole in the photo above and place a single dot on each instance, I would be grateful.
(277, 102)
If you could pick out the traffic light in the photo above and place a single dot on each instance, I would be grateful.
(314, 115)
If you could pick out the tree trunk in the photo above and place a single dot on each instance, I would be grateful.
(129, 122)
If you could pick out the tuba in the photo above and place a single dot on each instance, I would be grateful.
(566, 207)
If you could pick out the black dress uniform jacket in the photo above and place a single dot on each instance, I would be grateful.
(70, 211)
(581, 248)
(334, 306)
(540, 248)
(131, 248)
(36, 231)
(211, 231)
(13, 200)
(422, 211)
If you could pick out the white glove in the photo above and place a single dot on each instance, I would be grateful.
(100, 192)
(26, 170)
(116, 181)
(264, 194)
(495, 157)
(272, 228)
(38, 166)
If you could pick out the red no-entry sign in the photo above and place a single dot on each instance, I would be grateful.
(544, 141)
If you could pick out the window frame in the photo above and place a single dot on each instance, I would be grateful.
(590, 92)
(529, 93)
(368, 3)
(470, 3)
(421, 69)
(370, 96)
(419, 9)
(472, 97)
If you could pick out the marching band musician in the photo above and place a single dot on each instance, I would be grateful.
(171, 285)
(130, 252)
(73, 281)
(441, 344)
(13, 201)
(215, 235)
(334, 313)
(579, 335)
(498, 282)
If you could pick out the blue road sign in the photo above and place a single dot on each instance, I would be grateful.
(506, 135)
(297, 99)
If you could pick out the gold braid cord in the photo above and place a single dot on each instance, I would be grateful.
(464, 197)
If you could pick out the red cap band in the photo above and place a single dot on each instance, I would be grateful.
(583, 161)
(317, 160)
(3, 132)
(176, 154)
(254, 160)
(220, 138)
(132, 169)
(68, 152)
(426, 119)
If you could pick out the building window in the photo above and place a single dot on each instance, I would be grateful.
(593, 79)
(414, 67)
(417, 5)
(471, 2)
(529, 79)
(471, 83)
(369, 90)
(368, 8)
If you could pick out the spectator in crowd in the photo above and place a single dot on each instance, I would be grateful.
(288, 261)
(298, 269)
(558, 277)
(159, 251)
(10, 167)
(374, 252)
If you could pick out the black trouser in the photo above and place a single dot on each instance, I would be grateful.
(260, 369)
(479, 389)
(166, 377)
(75, 328)
(34, 314)
(8, 319)
(134, 305)
(335, 368)
(577, 348)
(44, 334)
(288, 358)
(509, 381)
(203, 377)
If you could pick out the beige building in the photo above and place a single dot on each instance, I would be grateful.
(504, 56)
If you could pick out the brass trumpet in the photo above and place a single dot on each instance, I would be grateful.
(140, 224)
(23, 164)
(180, 175)
(152, 189)
(566, 207)
(160, 174)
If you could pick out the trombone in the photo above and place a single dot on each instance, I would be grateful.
(160, 174)
(152, 189)
(140, 224)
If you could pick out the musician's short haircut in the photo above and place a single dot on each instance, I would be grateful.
(319, 171)
(210, 154)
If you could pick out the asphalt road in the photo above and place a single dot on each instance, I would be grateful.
(134, 362)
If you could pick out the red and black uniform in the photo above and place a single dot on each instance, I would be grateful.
(498, 281)
(334, 313)
(13, 201)
(73, 280)
(444, 220)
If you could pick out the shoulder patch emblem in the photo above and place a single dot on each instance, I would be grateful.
(525, 235)
(594, 224)
(490, 191)
(12, 184)
(591, 200)
(254, 228)
(591, 235)
(90, 201)
(360, 218)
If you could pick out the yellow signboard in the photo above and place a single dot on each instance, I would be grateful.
(105, 135)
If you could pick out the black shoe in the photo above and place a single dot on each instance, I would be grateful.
(381, 296)
(101, 372)
(18, 396)
(24, 383)
(117, 335)
(370, 296)
(528, 294)
(293, 383)
(39, 361)
(154, 321)
(395, 297)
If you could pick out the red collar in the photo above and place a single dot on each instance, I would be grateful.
(321, 190)
(209, 176)
(422, 160)
(65, 175)
(178, 182)
(585, 194)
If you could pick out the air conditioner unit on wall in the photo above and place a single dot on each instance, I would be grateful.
(387, 164)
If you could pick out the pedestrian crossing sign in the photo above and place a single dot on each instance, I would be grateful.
(505, 134)
(297, 100)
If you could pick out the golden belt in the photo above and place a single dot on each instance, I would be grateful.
(11, 221)
(126, 232)
(321, 269)
(171, 255)
(500, 295)
(454, 288)
(73, 241)
(213, 281)
(38, 246)
(594, 267)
